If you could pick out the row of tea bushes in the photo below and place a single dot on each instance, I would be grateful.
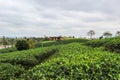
(111, 44)
(28, 58)
(12, 65)
(7, 50)
(77, 62)
(8, 71)
(59, 42)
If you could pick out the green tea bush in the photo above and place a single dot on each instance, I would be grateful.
(113, 45)
(28, 58)
(68, 71)
(7, 50)
(10, 72)
(77, 62)
(12, 65)
(59, 42)
(72, 61)
(96, 43)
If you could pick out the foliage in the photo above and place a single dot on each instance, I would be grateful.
(59, 42)
(31, 43)
(118, 33)
(110, 44)
(91, 33)
(4, 41)
(77, 62)
(69, 61)
(7, 50)
(97, 42)
(27, 58)
(113, 45)
(10, 72)
(22, 45)
(107, 34)
(12, 41)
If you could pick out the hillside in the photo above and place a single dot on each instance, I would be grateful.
(67, 60)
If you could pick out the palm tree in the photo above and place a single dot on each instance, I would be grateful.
(118, 33)
(107, 34)
(91, 33)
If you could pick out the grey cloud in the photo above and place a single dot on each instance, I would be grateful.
(58, 17)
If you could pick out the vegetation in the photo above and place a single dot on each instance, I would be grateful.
(66, 60)
(31, 43)
(91, 33)
(110, 44)
(107, 34)
(8, 50)
(118, 33)
(59, 42)
(8, 71)
(4, 41)
(22, 45)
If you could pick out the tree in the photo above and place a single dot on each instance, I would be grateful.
(22, 45)
(118, 33)
(11, 41)
(31, 43)
(107, 34)
(91, 33)
(100, 37)
(4, 41)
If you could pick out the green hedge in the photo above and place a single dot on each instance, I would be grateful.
(77, 62)
(7, 50)
(10, 72)
(27, 58)
(111, 44)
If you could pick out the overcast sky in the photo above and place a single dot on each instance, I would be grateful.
(58, 17)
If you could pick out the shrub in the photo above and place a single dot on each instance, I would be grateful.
(113, 45)
(10, 72)
(72, 64)
(7, 50)
(22, 45)
(110, 44)
(31, 43)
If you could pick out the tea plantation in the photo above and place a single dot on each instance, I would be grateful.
(69, 61)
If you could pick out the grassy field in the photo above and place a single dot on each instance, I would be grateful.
(64, 60)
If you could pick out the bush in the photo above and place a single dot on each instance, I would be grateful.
(22, 45)
(97, 42)
(10, 72)
(113, 45)
(31, 43)
(110, 44)
(7, 50)
(63, 70)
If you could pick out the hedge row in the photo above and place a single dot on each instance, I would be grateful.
(111, 44)
(77, 62)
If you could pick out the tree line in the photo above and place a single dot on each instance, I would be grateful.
(106, 34)
(12, 41)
